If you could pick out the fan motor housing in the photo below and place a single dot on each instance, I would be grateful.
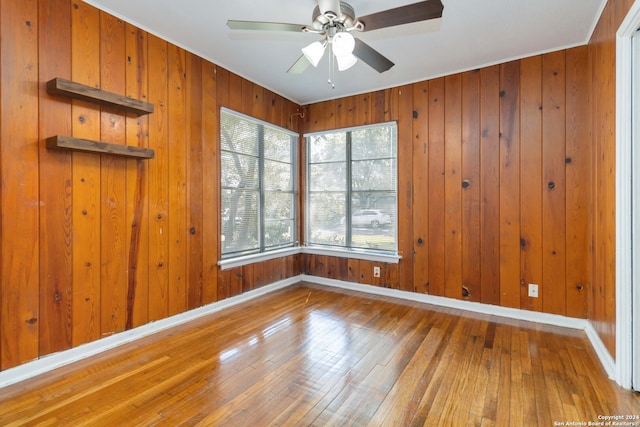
(346, 19)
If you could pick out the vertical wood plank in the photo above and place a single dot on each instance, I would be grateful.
(247, 98)
(211, 178)
(158, 180)
(607, 177)
(319, 265)
(436, 187)
(19, 240)
(421, 187)
(389, 276)
(602, 54)
(489, 184)
(531, 179)
(86, 188)
(553, 290)
(55, 182)
(113, 271)
(259, 275)
(332, 267)
(269, 274)
(137, 181)
(362, 109)
(194, 182)
(343, 269)
(224, 280)
(257, 99)
(453, 187)
(471, 185)
(366, 273)
(177, 181)
(510, 184)
(346, 112)
(405, 187)
(391, 104)
(235, 281)
(272, 105)
(376, 106)
(353, 266)
(235, 92)
(330, 115)
(578, 177)
(222, 86)
(248, 278)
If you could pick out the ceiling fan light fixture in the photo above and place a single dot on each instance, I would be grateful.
(345, 62)
(314, 52)
(343, 44)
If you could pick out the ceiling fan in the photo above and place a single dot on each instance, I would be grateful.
(335, 20)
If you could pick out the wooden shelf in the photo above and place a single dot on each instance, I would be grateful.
(76, 144)
(59, 86)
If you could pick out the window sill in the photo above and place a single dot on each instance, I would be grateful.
(346, 253)
(227, 264)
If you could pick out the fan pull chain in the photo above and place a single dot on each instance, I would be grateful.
(331, 67)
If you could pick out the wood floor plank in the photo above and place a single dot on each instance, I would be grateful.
(311, 355)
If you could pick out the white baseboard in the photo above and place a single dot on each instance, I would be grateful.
(511, 313)
(63, 358)
(607, 361)
(66, 357)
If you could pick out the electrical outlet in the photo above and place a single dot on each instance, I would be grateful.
(533, 290)
(376, 271)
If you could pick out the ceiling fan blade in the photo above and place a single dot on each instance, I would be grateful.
(371, 57)
(264, 26)
(416, 12)
(299, 66)
(332, 6)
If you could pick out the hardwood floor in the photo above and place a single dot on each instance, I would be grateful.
(309, 355)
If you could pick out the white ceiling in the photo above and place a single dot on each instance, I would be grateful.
(470, 34)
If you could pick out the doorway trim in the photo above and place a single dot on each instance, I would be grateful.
(627, 195)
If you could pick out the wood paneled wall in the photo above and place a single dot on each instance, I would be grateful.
(506, 178)
(494, 186)
(91, 245)
(602, 50)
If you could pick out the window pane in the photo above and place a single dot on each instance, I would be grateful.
(240, 221)
(278, 205)
(277, 145)
(277, 176)
(278, 232)
(238, 134)
(328, 177)
(330, 147)
(374, 220)
(373, 143)
(326, 219)
(374, 175)
(239, 170)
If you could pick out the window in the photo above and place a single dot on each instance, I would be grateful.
(352, 189)
(258, 182)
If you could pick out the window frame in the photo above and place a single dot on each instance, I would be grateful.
(262, 252)
(389, 256)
